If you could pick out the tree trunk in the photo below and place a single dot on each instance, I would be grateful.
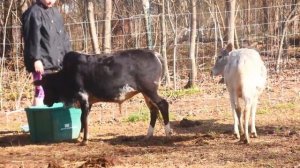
(107, 28)
(8, 31)
(164, 43)
(175, 55)
(23, 5)
(193, 73)
(8, 10)
(92, 26)
(230, 8)
(266, 15)
(148, 23)
(248, 20)
(283, 44)
(213, 13)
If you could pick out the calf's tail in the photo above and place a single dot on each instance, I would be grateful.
(163, 68)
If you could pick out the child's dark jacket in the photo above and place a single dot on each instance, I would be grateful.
(44, 37)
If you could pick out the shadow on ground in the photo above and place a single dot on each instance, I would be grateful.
(14, 139)
(195, 130)
(184, 131)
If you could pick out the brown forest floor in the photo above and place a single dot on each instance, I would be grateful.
(209, 143)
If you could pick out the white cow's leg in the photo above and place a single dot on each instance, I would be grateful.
(247, 117)
(240, 116)
(253, 114)
(236, 125)
(233, 100)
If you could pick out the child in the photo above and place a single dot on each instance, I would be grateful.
(45, 41)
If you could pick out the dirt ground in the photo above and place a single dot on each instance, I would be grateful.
(207, 140)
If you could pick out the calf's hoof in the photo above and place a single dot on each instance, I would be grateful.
(84, 143)
(147, 137)
(168, 130)
(80, 136)
(169, 133)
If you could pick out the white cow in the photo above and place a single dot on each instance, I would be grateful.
(245, 77)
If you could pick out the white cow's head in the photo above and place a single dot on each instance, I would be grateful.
(221, 61)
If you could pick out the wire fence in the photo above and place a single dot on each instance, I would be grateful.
(127, 33)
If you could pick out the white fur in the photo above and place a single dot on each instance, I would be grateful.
(84, 96)
(168, 130)
(245, 77)
(150, 132)
(124, 91)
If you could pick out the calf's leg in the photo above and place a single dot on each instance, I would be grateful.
(163, 106)
(85, 110)
(82, 118)
(153, 116)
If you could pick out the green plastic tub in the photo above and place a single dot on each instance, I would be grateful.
(53, 124)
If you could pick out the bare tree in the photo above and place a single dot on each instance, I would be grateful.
(9, 5)
(212, 6)
(107, 28)
(266, 15)
(148, 22)
(164, 43)
(93, 27)
(291, 16)
(192, 52)
(23, 5)
(230, 20)
(8, 31)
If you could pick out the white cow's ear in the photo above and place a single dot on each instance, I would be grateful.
(229, 47)
(38, 82)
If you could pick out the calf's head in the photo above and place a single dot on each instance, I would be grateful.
(221, 61)
(51, 86)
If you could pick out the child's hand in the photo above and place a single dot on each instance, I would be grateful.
(38, 66)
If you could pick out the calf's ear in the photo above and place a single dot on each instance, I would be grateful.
(38, 82)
